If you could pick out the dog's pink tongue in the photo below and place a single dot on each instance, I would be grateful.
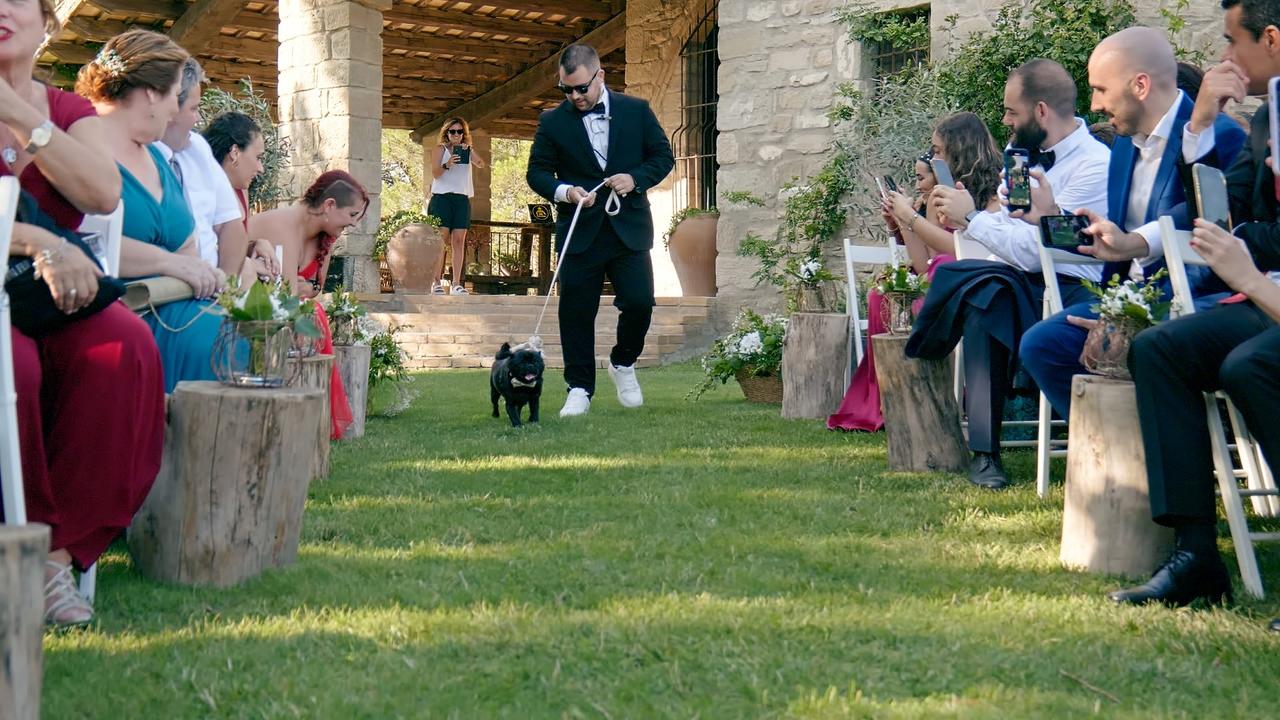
(530, 376)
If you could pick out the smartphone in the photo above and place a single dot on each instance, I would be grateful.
(1273, 100)
(880, 186)
(1065, 232)
(890, 184)
(464, 155)
(942, 172)
(1016, 169)
(1211, 195)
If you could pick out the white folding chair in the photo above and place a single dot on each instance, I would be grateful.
(106, 246)
(1050, 258)
(1178, 253)
(862, 255)
(965, 250)
(15, 504)
(110, 229)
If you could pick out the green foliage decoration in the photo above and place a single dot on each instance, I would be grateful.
(392, 224)
(681, 215)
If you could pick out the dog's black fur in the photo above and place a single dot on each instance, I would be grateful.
(517, 377)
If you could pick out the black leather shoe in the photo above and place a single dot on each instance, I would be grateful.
(1184, 578)
(985, 471)
(1275, 625)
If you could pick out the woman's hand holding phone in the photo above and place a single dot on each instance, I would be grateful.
(953, 204)
(1227, 255)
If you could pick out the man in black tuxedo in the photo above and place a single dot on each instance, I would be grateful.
(596, 136)
(1234, 346)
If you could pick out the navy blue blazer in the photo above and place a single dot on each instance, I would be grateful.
(1168, 195)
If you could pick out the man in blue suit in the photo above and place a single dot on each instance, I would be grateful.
(1133, 77)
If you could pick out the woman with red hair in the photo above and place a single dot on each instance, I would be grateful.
(307, 231)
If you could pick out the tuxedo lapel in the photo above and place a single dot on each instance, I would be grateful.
(616, 119)
(1168, 171)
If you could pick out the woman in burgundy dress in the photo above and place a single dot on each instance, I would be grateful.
(90, 396)
(307, 231)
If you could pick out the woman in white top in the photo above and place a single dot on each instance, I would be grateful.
(451, 192)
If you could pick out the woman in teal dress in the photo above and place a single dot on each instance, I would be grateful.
(135, 89)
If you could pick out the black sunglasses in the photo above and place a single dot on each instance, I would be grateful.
(571, 89)
(457, 131)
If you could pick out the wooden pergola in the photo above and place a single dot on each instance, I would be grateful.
(493, 61)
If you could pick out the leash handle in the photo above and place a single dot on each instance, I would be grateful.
(612, 206)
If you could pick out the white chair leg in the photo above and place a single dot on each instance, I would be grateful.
(1268, 482)
(89, 582)
(1230, 489)
(1043, 447)
(1248, 451)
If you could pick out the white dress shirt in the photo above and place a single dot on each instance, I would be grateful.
(1079, 180)
(1143, 180)
(208, 191)
(597, 127)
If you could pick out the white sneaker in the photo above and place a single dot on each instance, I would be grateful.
(459, 290)
(578, 403)
(628, 387)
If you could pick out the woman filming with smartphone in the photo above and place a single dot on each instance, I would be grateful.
(451, 193)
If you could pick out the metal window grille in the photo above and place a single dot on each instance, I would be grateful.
(888, 60)
(694, 142)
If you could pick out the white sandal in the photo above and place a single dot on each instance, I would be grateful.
(64, 606)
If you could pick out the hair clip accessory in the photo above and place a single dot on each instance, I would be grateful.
(110, 61)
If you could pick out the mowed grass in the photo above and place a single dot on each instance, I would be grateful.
(686, 560)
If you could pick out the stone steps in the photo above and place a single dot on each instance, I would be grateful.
(466, 331)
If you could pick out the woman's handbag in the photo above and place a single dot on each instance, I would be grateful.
(33, 310)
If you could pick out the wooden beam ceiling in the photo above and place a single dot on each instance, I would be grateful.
(167, 9)
(528, 84)
(589, 9)
(203, 22)
(455, 46)
(471, 23)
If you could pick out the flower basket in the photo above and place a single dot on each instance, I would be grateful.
(760, 388)
(344, 331)
(816, 297)
(386, 281)
(253, 353)
(1106, 348)
(898, 313)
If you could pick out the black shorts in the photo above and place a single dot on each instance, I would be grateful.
(452, 209)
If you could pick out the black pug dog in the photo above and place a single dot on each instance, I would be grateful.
(517, 377)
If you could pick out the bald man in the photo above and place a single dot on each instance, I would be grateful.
(1133, 77)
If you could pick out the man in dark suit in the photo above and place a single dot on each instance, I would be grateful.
(1234, 346)
(596, 136)
(1133, 75)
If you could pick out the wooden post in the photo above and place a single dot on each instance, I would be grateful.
(316, 372)
(814, 357)
(353, 368)
(921, 420)
(228, 501)
(23, 550)
(1106, 518)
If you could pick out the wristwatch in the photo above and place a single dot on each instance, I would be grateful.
(972, 214)
(40, 136)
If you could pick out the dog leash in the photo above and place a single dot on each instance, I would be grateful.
(612, 206)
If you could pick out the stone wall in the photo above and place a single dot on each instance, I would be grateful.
(330, 100)
(781, 62)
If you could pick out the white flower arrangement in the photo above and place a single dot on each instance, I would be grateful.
(810, 269)
(1133, 303)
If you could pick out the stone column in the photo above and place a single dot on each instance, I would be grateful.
(330, 64)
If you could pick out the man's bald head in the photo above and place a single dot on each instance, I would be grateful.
(1139, 50)
(1133, 75)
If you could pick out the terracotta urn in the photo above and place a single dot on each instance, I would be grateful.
(693, 253)
(415, 255)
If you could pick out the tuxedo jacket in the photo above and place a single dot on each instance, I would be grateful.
(1169, 193)
(562, 153)
(1251, 187)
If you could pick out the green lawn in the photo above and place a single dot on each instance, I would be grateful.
(686, 560)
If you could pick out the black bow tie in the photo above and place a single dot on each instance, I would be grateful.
(1043, 158)
(599, 109)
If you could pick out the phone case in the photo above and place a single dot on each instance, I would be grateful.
(1273, 97)
(1205, 180)
(942, 172)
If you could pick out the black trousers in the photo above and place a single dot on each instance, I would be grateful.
(581, 283)
(1235, 348)
(989, 366)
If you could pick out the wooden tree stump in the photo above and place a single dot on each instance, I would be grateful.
(23, 550)
(921, 420)
(1106, 518)
(229, 498)
(814, 358)
(316, 372)
(353, 367)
